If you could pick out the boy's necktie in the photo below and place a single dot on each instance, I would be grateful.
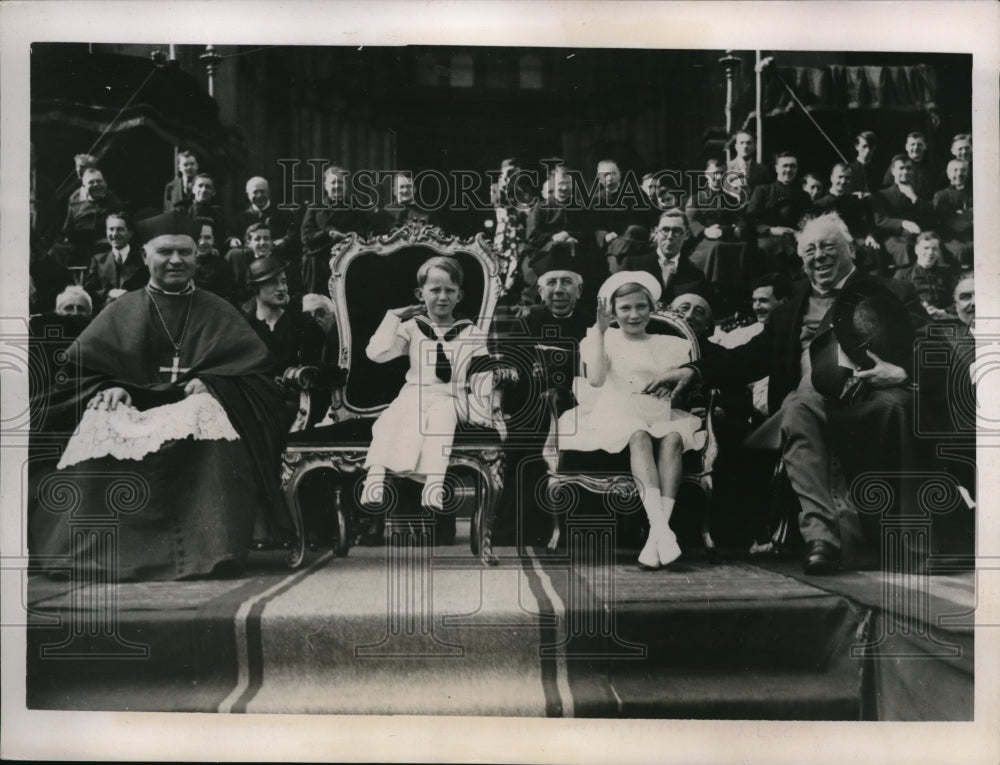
(442, 365)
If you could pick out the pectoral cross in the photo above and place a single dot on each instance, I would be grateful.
(175, 369)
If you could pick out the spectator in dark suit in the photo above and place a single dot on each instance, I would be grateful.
(923, 173)
(557, 232)
(776, 209)
(179, 191)
(402, 208)
(281, 223)
(203, 204)
(744, 163)
(813, 186)
(119, 267)
(82, 162)
(856, 212)
(669, 263)
(866, 179)
(719, 234)
(900, 214)
(953, 208)
(211, 271)
(610, 215)
(933, 280)
(84, 227)
(326, 224)
(961, 147)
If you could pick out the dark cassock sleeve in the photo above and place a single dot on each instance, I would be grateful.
(907, 293)
(742, 365)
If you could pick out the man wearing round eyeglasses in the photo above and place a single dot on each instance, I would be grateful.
(870, 430)
(669, 263)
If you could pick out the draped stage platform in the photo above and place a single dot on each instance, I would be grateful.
(390, 630)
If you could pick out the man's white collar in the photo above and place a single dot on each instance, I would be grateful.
(838, 286)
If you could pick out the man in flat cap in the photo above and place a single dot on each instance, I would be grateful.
(820, 406)
(176, 394)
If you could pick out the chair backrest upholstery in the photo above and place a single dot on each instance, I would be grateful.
(668, 322)
(371, 276)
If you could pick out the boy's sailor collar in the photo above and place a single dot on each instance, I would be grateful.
(428, 329)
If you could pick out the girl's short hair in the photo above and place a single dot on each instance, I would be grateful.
(449, 265)
(629, 288)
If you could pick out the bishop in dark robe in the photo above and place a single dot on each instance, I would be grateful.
(179, 407)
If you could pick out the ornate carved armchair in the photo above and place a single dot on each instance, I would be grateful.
(609, 474)
(368, 277)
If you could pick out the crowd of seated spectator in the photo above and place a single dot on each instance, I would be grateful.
(724, 249)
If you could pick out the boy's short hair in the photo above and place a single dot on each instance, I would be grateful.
(868, 137)
(916, 134)
(778, 282)
(206, 176)
(899, 158)
(122, 216)
(925, 236)
(253, 228)
(674, 212)
(202, 221)
(449, 265)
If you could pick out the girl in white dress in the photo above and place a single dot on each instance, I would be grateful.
(413, 436)
(613, 412)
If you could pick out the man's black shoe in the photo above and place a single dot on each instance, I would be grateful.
(821, 558)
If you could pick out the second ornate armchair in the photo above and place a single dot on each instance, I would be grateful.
(608, 474)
